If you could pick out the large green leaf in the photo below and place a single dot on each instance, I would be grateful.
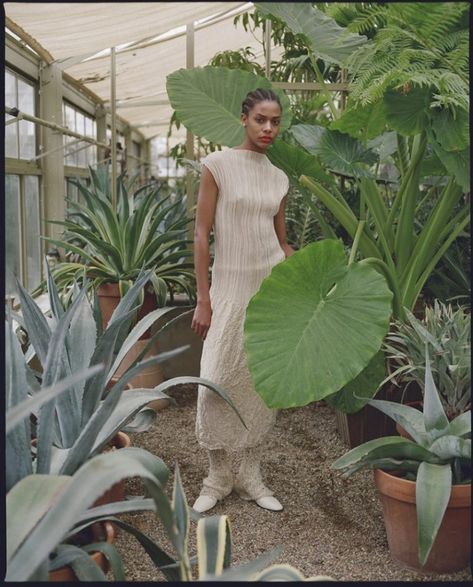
(340, 152)
(456, 163)
(435, 419)
(451, 131)
(18, 441)
(27, 502)
(386, 447)
(88, 484)
(433, 488)
(406, 113)
(328, 40)
(461, 425)
(308, 136)
(314, 325)
(365, 385)
(296, 162)
(362, 122)
(207, 101)
(213, 545)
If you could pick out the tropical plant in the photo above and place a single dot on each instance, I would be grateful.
(335, 316)
(118, 244)
(45, 511)
(81, 422)
(438, 456)
(447, 330)
(405, 253)
(217, 94)
(214, 543)
(451, 279)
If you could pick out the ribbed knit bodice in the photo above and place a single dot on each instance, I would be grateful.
(246, 245)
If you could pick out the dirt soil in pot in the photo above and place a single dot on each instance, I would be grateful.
(329, 526)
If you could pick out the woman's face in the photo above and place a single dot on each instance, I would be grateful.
(262, 123)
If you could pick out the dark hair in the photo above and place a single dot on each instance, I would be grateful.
(256, 96)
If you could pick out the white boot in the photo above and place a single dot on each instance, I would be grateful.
(249, 482)
(268, 502)
(219, 482)
(204, 503)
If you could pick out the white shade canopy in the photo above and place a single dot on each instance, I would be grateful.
(73, 34)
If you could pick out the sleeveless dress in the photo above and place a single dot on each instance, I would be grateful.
(250, 190)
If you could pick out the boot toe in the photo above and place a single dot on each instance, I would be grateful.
(204, 503)
(269, 503)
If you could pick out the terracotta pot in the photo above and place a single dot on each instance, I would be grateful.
(418, 405)
(451, 550)
(116, 491)
(149, 377)
(100, 530)
(109, 297)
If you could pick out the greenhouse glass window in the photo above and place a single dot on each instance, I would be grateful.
(20, 137)
(79, 154)
(22, 232)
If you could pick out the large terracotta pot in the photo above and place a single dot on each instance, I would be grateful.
(100, 530)
(116, 491)
(149, 377)
(109, 297)
(451, 550)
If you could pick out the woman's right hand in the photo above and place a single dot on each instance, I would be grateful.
(202, 318)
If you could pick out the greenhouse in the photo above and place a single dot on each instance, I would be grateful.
(237, 291)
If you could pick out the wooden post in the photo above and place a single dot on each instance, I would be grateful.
(114, 128)
(50, 87)
(190, 136)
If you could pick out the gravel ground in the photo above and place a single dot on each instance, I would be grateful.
(329, 526)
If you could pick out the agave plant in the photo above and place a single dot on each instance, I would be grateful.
(448, 331)
(83, 420)
(214, 543)
(438, 455)
(144, 232)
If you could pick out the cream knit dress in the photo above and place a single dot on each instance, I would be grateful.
(250, 190)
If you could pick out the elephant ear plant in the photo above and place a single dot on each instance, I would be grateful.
(438, 456)
(316, 326)
(145, 232)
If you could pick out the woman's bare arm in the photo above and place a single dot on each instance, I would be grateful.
(205, 214)
(280, 228)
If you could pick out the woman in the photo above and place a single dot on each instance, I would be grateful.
(242, 195)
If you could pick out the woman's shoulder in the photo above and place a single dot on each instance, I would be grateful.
(279, 173)
(215, 156)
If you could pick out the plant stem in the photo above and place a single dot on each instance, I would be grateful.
(324, 90)
(356, 240)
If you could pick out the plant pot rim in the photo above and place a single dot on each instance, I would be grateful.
(404, 490)
(57, 574)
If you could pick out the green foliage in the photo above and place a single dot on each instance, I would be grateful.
(327, 40)
(447, 330)
(417, 46)
(328, 308)
(207, 100)
(243, 59)
(364, 18)
(144, 232)
(439, 454)
(82, 421)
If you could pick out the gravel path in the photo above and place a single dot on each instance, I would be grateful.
(329, 526)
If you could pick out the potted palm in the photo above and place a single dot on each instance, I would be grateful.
(424, 483)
